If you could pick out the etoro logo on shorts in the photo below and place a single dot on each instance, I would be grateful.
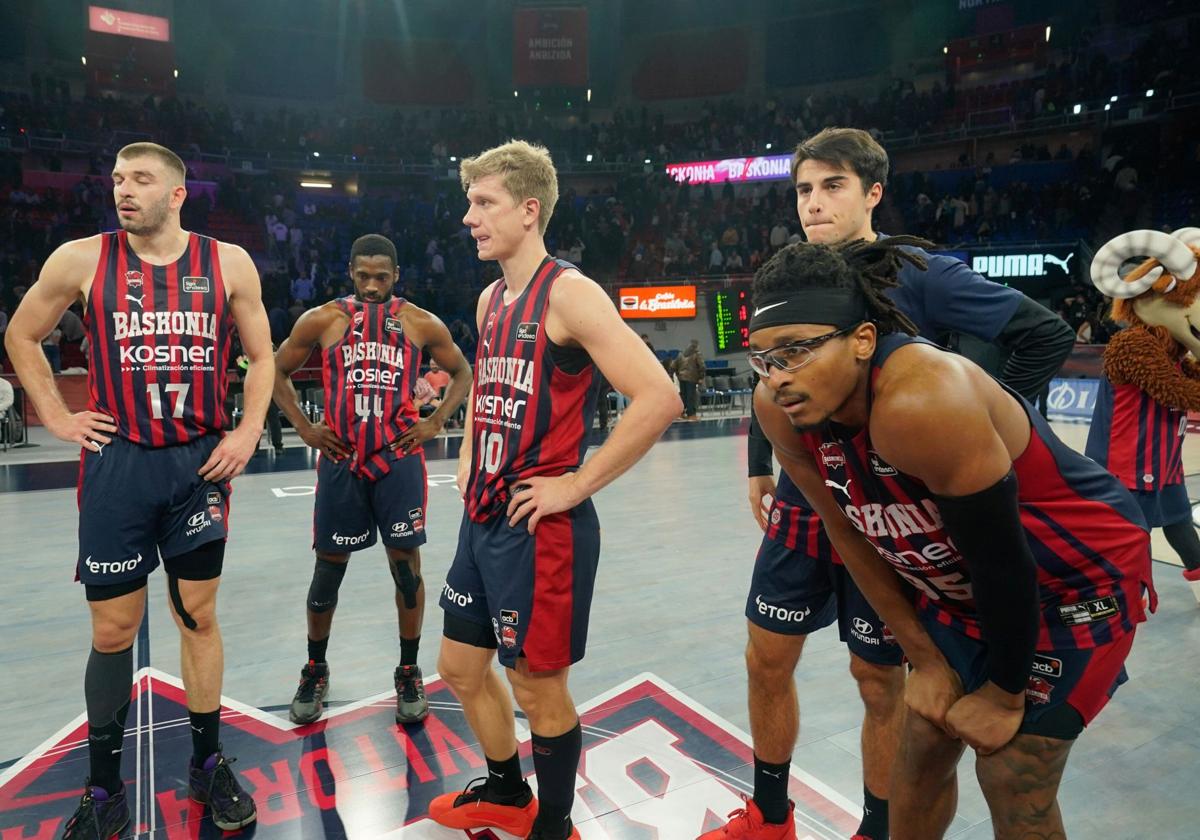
(462, 599)
(98, 568)
(338, 539)
(781, 613)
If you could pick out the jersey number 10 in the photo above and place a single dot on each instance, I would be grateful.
(491, 446)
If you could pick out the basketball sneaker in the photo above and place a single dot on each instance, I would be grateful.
(747, 823)
(479, 807)
(213, 784)
(309, 701)
(100, 814)
(411, 705)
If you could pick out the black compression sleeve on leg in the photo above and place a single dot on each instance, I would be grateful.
(986, 528)
(326, 580)
(1182, 537)
(107, 684)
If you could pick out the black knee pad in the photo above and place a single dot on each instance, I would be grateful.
(326, 580)
(458, 629)
(407, 583)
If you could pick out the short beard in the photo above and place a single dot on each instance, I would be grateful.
(156, 219)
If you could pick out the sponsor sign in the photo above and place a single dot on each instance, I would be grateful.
(131, 25)
(740, 169)
(657, 302)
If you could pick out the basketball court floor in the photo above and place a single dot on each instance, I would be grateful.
(662, 690)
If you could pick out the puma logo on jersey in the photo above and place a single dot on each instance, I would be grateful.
(138, 300)
(845, 488)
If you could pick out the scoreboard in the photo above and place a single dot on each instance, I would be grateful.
(729, 312)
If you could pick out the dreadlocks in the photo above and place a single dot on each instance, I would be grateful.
(871, 267)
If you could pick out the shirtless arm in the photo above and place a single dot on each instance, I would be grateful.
(65, 278)
(232, 454)
(582, 313)
(292, 353)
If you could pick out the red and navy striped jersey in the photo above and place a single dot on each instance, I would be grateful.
(1087, 534)
(159, 338)
(533, 399)
(369, 377)
(1137, 438)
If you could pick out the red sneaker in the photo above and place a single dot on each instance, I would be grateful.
(748, 823)
(471, 809)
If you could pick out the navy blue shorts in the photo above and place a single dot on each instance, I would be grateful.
(534, 590)
(1082, 679)
(137, 503)
(1166, 507)
(350, 511)
(796, 593)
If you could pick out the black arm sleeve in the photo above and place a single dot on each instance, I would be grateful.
(758, 449)
(1039, 342)
(986, 527)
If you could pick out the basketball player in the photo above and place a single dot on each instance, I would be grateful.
(522, 578)
(156, 463)
(799, 585)
(371, 467)
(1009, 568)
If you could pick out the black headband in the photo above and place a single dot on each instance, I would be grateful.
(839, 307)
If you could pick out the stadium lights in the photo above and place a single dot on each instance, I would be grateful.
(589, 157)
(1078, 109)
(316, 185)
(647, 160)
(176, 73)
(453, 159)
(768, 147)
(945, 51)
(514, 94)
(1112, 98)
(1149, 92)
(1047, 34)
(1107, 106)
(589, 95)
(83, 58)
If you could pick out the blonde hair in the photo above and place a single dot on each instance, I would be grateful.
(173, 162)
(525, 170)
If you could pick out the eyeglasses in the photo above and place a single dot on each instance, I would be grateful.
(793, 355)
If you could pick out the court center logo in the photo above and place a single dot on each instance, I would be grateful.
(655, 764)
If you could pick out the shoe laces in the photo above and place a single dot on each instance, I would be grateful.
(223, 780)
(309, 680)
(410, 685)
(739, 815)
(471, 794)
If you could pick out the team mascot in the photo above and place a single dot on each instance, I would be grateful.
(1151, 378)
